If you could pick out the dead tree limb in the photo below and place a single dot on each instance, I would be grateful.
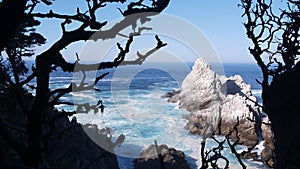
(235, 143)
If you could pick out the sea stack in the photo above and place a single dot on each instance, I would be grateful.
(218, 100)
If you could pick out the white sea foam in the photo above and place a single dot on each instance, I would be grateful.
(256, 92)
(142, 116)
(79, 96)
(259, 148)
(142, 125)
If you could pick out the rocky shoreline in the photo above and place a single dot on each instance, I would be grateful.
(210, 98)
(65, 144)
(220, 102)
(69, 144)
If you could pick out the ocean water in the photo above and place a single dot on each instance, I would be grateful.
(134, 107)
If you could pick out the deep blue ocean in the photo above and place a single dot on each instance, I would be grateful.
(134, 107)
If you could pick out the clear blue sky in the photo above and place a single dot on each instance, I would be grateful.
(219, 20)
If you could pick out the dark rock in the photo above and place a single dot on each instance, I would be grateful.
(80, 146)
(66, 143)
(172, 158)
(167, 95)
(250, 155)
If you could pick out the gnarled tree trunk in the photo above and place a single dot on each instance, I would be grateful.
(282, 103)
(43, 67)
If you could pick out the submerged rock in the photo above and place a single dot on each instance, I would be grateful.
(172, 158)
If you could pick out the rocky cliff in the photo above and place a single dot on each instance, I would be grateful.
(66, 144)
(216, 100)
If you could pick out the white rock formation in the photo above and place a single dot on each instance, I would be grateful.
(210, 97)
(203, 91)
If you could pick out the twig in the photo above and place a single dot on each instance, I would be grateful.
(232, 146)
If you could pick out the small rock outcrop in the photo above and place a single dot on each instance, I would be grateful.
(172, 158)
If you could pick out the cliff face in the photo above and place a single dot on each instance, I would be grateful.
(65, 144)
(214, 99)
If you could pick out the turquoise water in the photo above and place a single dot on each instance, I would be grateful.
(134, 107)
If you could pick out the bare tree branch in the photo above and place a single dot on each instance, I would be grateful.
(252, 120)
(73, 88)
(207, 158)
(139, 7)
(251, 26)
(255, 102)
(235, 143)
(141, 58)
(28, 79)
(119, 60)
(52, 56)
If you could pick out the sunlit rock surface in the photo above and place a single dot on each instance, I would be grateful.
(218, 100)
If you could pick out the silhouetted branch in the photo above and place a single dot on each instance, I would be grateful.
(140, 30)
(30, 6)
(71, 67)
(61, 92)
(256, 19)
(204, 155)
(78, 17)
(28, 79)
(252, 120)
(52, 56)
(119, 60)
(255, 102)
(86, 18)
(88, 67)
(235, 143)
(139, 7)
(76, 67)
(281, 49)
(273, 35)
(32, 87)
(141, 58)
(73, 88)
(214, 155)
(258, 82)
